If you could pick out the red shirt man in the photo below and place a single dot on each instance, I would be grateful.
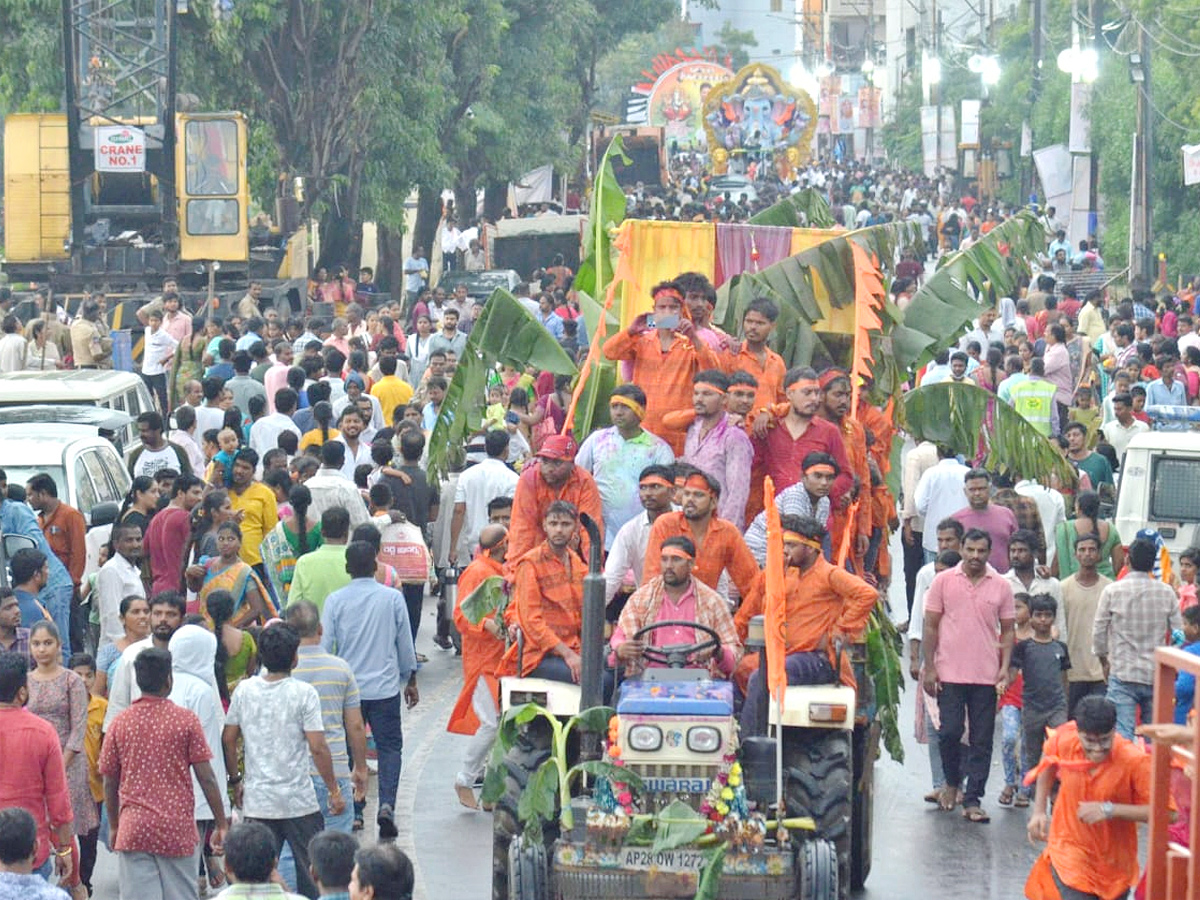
(555, 477)
(32, 776)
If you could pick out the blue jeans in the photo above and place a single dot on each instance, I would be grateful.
(383, 716)
(930, 556)
(287, 862)
(46, 869)
(936, 773)
(1010, 745)
(57, 601)
(1128, 696)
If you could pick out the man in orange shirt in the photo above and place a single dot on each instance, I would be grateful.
(477, 710)
(835, 409)
(65, 531)
(1103, 793)
(666, 358)
(753, 356)
(547, 602)
(825, 604)
(719, 545)
(555, 477)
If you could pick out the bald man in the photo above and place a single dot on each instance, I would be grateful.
(477, 710)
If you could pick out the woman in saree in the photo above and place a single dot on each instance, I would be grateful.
(227, 572)
(290, 539)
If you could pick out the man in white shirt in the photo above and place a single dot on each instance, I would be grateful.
(264, 433)
(1051, 509)
(1022, 573)
(159, 348)
(1187, 335)
(1121, 430)
(12, 345)
(986, 331)
(416, 271)
(623, 568)
(940, 494)
(476, 488)
(183, 437)
(330, 488)
(357, 452)
(917, 461)
(117, 579)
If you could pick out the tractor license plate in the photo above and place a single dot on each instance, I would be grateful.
(663, 860)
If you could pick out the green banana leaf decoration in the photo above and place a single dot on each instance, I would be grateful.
(805, 209)
(974, 422)
(945, 304)
(506, 332)
(591, 284)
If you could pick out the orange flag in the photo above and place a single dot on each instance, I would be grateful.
(869, 296)
(775, 603)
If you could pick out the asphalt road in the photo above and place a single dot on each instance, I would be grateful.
(919, 852)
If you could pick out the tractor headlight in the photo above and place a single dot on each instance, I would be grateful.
(645, 738)
(703, 739)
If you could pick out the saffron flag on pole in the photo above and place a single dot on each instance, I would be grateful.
(775, 604)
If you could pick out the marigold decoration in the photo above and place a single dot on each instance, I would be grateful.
(614, 796)
(727, 796)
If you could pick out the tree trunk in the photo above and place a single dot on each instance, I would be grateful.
(465, 200)
(389, 270)
(429, 212)
(495, 199)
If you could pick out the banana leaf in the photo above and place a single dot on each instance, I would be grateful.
(677, 826)
(791, 283)
(973, 422)
(607, 212)
(486, 600)
(945, 304)
(709, 886)
(506, 332)
(884, 668)
(804, 209)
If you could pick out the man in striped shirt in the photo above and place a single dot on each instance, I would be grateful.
(340, 709)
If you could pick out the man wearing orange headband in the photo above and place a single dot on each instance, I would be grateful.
(835, 409)
(782, 441)
(719, 546)
(477, 710)
(616, 456)
(665, 356)
(700, 299)
(623, 568)
(676, 595)
(824, 604)
(809, 499)
(555, 477)
(716, 446)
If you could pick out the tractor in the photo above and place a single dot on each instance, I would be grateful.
(676, 732)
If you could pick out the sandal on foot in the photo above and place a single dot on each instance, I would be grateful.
(1022, 801)
(466, 796)
(948, 799)
(933, 796)
(977, 815)
(1006, 795)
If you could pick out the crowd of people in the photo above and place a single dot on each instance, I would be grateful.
(253, 612)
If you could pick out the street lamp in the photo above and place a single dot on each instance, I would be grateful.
(1082, 64)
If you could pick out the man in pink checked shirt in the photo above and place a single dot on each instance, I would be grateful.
(676, 596)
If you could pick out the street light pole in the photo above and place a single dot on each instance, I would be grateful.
(1141, 243)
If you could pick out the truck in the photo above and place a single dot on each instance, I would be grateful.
(121, 189)
(676, 736)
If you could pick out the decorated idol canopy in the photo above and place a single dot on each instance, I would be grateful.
(758, 115)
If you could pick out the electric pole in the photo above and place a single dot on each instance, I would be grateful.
(1141, 241)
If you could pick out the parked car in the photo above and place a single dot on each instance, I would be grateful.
(87, 468)
(111, 424)
(120, 391)
(734, 186)
(479, 284)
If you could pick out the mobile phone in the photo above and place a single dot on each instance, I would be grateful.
(650, 321)
(667, 323)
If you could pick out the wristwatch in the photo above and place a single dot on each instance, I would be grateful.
(1107, 809)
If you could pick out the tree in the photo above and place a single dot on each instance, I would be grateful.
(737, 43)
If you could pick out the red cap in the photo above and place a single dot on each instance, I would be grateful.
(558, 446)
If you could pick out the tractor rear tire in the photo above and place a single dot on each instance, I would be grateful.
(818, 765)
(530, 751)
(528, 872)
(818, 871)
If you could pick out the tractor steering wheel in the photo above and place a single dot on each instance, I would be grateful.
(677, 656)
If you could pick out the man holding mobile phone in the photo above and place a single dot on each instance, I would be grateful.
(666, 358)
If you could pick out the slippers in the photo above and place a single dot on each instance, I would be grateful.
(948, 798)
(933, 796)
(1006, 795)
(1022, 801)
(977, 815)
(466, 796)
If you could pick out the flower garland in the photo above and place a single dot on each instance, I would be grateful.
(622, 797)
(727, 795)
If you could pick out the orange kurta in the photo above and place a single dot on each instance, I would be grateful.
(481, 650)
(723, 549)
(547, 604)
(1100, 859)
(531, 499)
(821, 600)
(666, 377)
(769, 374)
(855, 440)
